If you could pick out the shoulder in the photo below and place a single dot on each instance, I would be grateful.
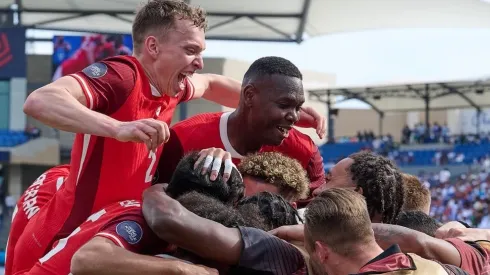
(207, 120)
(301, 141)
(123, 67)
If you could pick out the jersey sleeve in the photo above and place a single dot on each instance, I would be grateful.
(107, 84)
(315, 169)
(473, 256)
(267, 254)
(131, 232)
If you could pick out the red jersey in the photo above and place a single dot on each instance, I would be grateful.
(121, 222)
(474, 258)
(29, 204)
(211, 130)
(104, 170)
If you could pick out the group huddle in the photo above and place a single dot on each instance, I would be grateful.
(219, 192)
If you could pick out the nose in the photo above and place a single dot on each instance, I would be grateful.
(293, 116)
(198, 63)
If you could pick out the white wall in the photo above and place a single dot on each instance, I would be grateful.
(18, 93)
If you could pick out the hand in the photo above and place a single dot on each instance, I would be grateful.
(290, 233)
(464, 234)
(310, 118)
(449, 230)
(216, 157)
(149, 131)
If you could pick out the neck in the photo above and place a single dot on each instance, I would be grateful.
(149, 71)
(352, 264)
(240, 136)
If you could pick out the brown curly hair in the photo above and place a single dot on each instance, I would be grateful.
(274, 168)
(381, 184)
(160, 14)
(417, 197)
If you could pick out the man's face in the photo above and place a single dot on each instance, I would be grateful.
(254, 186)
(179, 56)
(338, 177)
(275, 107)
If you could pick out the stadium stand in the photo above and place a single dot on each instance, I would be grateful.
(12, 138)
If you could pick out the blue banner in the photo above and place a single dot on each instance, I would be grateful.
(12, 52)
(4, 156)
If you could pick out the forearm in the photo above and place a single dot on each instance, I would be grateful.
(305, 120)
(223, 90)
(176, 225)
(411, 241)
(57, 108)
(103, 257)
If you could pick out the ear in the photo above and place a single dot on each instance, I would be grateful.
(322, 251)
(151, 45)
(360, 191)
(294, 205)
(249, 92)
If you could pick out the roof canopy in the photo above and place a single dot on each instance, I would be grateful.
(413, 97)
(263, 20)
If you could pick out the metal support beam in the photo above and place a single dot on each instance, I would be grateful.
(415, 90)
(118, 16)
(380, 125)
(330, 120)
(234, 18)
(427, 110)
(302, 23)
(58, 19)
(352, 95)
(274, 29)
(465, 97)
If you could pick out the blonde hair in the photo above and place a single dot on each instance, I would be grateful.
(281, 171)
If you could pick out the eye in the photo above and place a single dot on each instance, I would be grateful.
(190, 51)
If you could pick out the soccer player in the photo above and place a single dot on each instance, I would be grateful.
(339, 238)
(276, 173)
(29, 204)
(122, 228)
(373, 176)
(115, 106)
(271, 99)
(248, 250)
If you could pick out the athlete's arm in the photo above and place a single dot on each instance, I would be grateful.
(102, 256)
(79, 103)
(411, 241)
(173, 223)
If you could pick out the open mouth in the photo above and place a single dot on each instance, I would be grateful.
(181, 79)
(284, 130)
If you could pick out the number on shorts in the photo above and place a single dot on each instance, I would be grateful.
(62, 243)
(149, 175)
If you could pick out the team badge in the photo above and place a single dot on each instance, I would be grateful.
(95, 70)
(130, 231)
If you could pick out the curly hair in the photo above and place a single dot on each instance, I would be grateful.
(281, 171)
(417, 197)
(272, 207)
(381, 183)
(161, 15)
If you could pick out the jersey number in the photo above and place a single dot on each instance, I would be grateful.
(62, 243)
(149, 176)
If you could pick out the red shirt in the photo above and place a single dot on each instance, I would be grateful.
(474, 259)
(210, 130)
(103, 170)
(29, 204)
(121, 222)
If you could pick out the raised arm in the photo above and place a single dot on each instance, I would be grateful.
(101, 256)
(173, 223)
(81, 103)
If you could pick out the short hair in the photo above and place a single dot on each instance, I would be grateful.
(417, 197)
(381, 184)
(186, 179)
(419, 221)
(272, 65)
(161, 15)
(339, 218)
(273, 208)
(283, 172)
(212, 209)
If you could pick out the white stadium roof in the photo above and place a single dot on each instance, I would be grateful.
(413, 97)
(263, 20)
